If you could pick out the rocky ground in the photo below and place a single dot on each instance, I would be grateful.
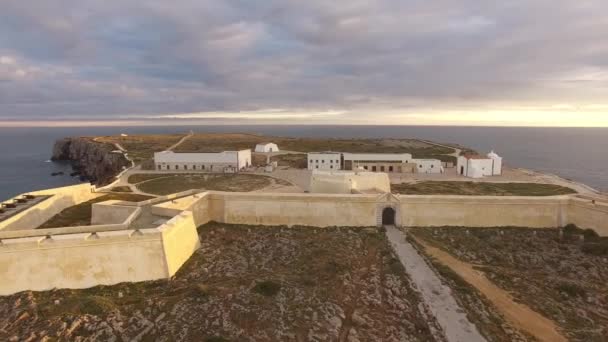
(563, 276)
(244, 284)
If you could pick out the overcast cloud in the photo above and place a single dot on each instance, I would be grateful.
(356, 61)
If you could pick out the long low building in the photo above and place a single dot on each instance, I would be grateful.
(373, 162)
(227, 161)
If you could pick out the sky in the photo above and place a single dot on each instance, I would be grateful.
(401, 62)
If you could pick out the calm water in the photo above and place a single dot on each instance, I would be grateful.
(575, 153)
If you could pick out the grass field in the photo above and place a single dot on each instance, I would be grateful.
(480, 189)
(172, 183)
(80, 214)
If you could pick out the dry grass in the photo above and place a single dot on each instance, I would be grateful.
(480, 189)
(554, 275)
(80, 214)
(142, 147)
(246, 283)
(171, 183)
(121, 189)
(292, 160)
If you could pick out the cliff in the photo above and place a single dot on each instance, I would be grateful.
(94, 161)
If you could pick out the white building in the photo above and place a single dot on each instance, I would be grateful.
(324, 161)
(227, 161)
(428, 165)
(348, 182)
(266, 147)
(379, 162)
(476, 166)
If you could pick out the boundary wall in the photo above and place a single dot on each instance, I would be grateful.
(72, 259)
(60, 199)
(324, 210)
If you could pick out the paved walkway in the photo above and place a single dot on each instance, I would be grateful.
(438, 297)
(174, 146)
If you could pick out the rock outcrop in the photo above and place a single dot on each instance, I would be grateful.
(94, 161)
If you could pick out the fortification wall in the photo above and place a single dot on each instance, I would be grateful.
(586, 213)
(483, 211)
(60, 199)
(320, 210)
(110, 212)
(82, 257)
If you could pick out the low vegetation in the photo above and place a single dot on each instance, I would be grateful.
(171, 183)
(142, 147)
(480, 189)
(546, 269)
(246, 283)
(80, 214)
(121, 189)
(292, 160)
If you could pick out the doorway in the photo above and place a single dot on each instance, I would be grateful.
(388, 216)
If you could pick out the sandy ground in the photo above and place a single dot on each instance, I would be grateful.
(450, 316)
(519, 315)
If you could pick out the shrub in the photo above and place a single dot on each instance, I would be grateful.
(595, 248)
(267, 288)
(571, 229)
(571, 289)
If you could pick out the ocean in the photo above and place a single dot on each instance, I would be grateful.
(579, 154)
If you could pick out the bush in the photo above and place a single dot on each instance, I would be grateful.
(572, 229)
(595, 248)
(571, 289)
(267, 288)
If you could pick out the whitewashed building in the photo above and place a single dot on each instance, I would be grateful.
(428, 166)
(324, 161)
(266, 147)
(477, 166)
(379, 162)
(227, 161)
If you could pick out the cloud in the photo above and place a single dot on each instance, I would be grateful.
(141, 59)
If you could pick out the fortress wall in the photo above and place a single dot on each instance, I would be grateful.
(483, 211)
(586, 214)
(80, 260)
(62, 198)
(180, 240)
(110, 212)
(319, 210)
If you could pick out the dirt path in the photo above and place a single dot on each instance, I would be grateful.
(519, 315)
(174, 146)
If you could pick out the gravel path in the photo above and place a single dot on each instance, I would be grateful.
(437, 296)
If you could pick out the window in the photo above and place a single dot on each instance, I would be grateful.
(390, 169)
(331, 166)
(185, 167)
(310, 161)
(193, 167)
(159, 167)
(365, 167)
(373, 168)
(432, 166)
(382, 168)
(317, 166)
(331, 161)
(202, 167)
(420, 166)
(317, 161)
(323, 161)
(177, 167)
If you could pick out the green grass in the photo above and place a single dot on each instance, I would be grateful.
(172, 183)
(480, 189)
(80, 214)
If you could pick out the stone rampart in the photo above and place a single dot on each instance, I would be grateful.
(60, 199)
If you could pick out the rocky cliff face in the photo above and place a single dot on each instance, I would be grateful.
(94, 161)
